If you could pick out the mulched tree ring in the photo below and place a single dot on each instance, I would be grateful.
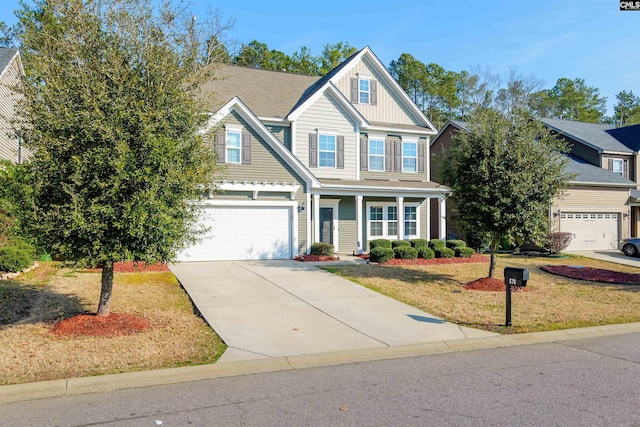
(489, 284)
(135, 267)
(90, 325)
(311, 258)
(593, 274)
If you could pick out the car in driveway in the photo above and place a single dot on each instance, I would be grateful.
(630, 246)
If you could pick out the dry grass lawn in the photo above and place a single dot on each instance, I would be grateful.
(549, 302)
(31, 304)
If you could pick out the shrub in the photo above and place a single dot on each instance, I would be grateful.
(426, 253)
(464, 252)
(444, 252)
(320, 248)
(381, 254)
(558, 241)
(478, 241)
(452, 244)
(16, 257)
(436, 243)
(399, 243)
(419, 243)
(379, 243)
(406, 252)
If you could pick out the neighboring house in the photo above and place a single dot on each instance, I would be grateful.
(10, 73)
(594, 207)
(341, 159)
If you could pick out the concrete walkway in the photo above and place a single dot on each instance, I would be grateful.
(616, 257)
(265, 309)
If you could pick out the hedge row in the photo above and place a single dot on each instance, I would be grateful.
(381, 250)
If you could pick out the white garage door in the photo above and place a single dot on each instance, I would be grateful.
(242, 233)
(591, 231)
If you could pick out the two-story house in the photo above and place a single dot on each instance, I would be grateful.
(341, 159)
(10, 73)
(595, 207)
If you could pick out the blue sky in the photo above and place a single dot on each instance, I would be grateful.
(590, 39)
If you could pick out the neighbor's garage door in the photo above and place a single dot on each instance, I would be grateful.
(591, 231)
(242, 233)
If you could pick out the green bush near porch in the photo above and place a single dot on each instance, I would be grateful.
(381, 254)
(426, 253)
(437, 243)
(406, 252)
(444, 252)
(322, 249)
(400, 243)
(452, 244)
(379, 243)
(464, 252)
(419, 243)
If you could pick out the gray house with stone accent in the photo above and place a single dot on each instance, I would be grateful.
(341, 159)
(595, 207)
(10, 73)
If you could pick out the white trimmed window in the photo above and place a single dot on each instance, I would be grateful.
(410, 220)
(409, 156)
(326, 151)
(364, 90)
(376, 155)
(233, 146)
(382, 220)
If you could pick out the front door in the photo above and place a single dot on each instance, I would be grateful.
(326, 225)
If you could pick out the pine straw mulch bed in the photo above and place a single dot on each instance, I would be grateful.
(593, 274)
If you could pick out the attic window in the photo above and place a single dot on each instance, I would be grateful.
(363, 90)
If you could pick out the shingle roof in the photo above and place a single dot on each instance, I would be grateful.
(635, 193)
(5, 57)
(266, 93)
(628, 135)
(585, 172)
(461, 125)
(594, 134)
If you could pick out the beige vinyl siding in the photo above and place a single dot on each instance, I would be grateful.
(398, 175)
(267, 165)
(283, 133)
(327, 115)
(389, 108)
(347, 222)
(8, 101)
(591, 199)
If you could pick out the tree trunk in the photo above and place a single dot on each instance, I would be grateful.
(494, 258)
(105, 292)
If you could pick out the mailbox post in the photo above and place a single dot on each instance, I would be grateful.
(514, 278)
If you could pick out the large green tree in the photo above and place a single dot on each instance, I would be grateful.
(627, 109)
(571, 100)
(111, 116)
(503, 174)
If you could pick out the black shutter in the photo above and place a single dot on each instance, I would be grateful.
(421, 147)
(373, 96)
(364, 153)
(340, 152)
(354, 90)
(388, 165)
(313, 150)
(398, 155)
(246, 148)
(219, 146)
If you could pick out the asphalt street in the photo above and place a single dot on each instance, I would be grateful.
(582, 382)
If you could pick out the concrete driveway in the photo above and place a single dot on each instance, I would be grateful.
(284, 308)
(610, 256)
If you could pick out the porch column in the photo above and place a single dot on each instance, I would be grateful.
(443, 218)
(400, 201)
(316, 218)
(359, 224)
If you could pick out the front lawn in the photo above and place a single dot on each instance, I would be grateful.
(33, 303)
(549, 301)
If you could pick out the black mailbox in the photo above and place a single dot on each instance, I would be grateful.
(516, 276)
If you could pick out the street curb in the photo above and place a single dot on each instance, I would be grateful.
(106, 383)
